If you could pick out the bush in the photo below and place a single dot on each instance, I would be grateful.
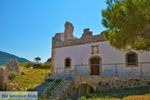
(58, 81)
(46, 65)
(49, 74)
(28, 64)
(37, 65)
(32, 64)
(12, 76)
(49, 80)
(30, 89)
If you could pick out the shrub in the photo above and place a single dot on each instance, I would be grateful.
(46, 65)
(32, 64)
(58, 81)
(83, 98)
(49, 80)
(49, 74)
(28, 64)
(37, 65)
(30, 89)
(12, 76)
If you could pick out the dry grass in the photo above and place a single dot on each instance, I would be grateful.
(134, 97)
(140, 93)
(2, 67)
(31, 79)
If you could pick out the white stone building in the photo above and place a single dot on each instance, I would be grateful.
(93, 55)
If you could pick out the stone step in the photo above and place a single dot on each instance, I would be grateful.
(65, 83)
(68, 81)
(60, 91)
(64, 86)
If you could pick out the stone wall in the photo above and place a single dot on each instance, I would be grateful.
(109, 83)
(84, 40)
(11, 67)
(82, 85)
(67, 38)
(86, 84)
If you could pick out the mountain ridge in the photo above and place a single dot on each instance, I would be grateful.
(5, 57)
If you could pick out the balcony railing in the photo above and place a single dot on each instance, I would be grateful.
(141, 69)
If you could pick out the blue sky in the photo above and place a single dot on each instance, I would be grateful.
(27, 26)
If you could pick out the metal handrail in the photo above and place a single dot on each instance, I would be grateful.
(115, 66)
(65, 70)
(57, 87)
(49, 86)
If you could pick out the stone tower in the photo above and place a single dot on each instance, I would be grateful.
(68, 33)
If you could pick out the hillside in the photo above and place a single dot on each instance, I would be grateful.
(5, 57)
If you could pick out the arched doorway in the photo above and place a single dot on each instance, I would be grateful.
(84, 89)
(95, 65)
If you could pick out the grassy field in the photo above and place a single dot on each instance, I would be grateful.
(31, 79)
(128, 94)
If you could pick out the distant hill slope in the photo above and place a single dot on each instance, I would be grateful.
(5, 57)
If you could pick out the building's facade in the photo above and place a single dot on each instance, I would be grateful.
(93, 55)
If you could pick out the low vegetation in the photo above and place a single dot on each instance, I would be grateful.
(127, 94)
(31, 75)
(12, 76)
(30, 79)
(36, 65)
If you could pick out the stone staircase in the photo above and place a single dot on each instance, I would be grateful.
(46, 87)
(61, 92)
(42, 87)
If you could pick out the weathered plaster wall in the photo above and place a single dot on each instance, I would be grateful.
(80, 54)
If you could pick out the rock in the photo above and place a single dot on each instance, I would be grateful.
(23, 73)
(4, 84)
(1, 79)
(12, 66)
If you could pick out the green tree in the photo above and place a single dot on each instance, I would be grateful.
(37, 59)
(127, 23)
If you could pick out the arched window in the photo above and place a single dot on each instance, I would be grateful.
(67, 62)
(131, 59)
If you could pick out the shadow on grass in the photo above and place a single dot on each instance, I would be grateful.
(119, 93)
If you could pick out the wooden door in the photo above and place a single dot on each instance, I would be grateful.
(95, 66)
